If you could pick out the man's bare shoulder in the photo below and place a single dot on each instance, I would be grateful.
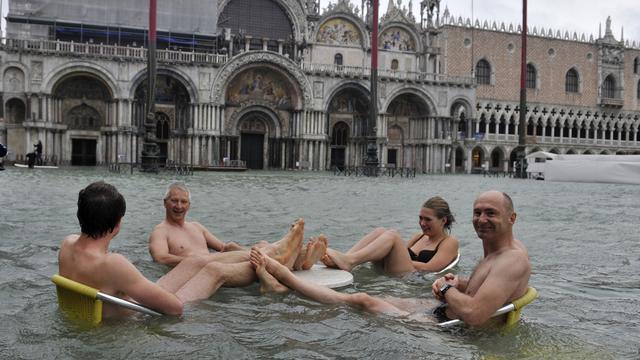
(70, 239)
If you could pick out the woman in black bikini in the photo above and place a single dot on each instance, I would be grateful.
(430, 250)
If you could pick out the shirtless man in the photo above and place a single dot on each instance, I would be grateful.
(175, 239)
(501, 276)
(86, 258)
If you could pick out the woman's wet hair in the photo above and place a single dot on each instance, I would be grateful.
(441, 208)
(100, 208)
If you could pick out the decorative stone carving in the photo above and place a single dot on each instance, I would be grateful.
(36, 72)
(611, 55)
(318, 89)
(232, 68)
(83, 117)
(13, 80)
(253, 125)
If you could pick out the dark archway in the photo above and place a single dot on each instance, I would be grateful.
(339, 140)
(253, 128)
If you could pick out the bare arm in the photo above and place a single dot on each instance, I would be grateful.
(447, 251)
(159, 249)
(124, 277)
(499, 286)
(212, 241)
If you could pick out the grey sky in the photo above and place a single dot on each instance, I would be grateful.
(581, 16)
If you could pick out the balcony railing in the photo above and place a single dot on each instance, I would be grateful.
(69, 48)
(363, 71)
(613, 102)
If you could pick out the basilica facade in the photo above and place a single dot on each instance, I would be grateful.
(281, 84)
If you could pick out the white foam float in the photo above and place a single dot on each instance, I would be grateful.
(329, 277)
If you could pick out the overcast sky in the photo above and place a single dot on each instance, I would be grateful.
(581, 16)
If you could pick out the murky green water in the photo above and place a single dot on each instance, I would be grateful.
(583, 241)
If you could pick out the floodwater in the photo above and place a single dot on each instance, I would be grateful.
(583, 243)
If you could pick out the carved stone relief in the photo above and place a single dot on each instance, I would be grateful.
(36, 71)
(318, 89)
(83, 117)
(13, 80)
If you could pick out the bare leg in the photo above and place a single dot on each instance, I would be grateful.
(182, 273)
(315, 251)
(209, 279)
(388, 247)
(321, 293)
(367, 239)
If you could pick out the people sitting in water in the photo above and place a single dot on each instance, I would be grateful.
(500, 277)
(175, 239)
(3, 153)
(432, 249)
(86, 258)
(31, 159)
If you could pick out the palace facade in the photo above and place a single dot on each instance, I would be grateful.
(282, 85)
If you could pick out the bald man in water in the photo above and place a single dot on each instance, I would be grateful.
(501, 276)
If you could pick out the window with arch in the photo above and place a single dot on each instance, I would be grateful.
(609, 87)
(337, 59)
(394, 64)
(636, 65)
(531, 76)
(571, 81)
(483, 72)
(340, 134)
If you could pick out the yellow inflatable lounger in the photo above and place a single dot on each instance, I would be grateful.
(512, 310)
(82, 302)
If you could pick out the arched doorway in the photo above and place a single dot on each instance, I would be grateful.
(459, 160)
(253, 129)
(339, 139)
(477, 158)
(349, 106)
(86, 101)
(408, 119)
(497, 160)
(162, 136)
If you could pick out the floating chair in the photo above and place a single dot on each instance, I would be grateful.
(450, 266)
(84, 303)
(512, 310)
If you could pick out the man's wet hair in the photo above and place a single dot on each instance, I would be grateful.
(100, 208)
(177, 185)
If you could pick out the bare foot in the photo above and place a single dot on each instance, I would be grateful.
(231, 246)
(328, 262)
(302, 255)
(286, 250)
(339, 259)
(268, 284)
(315, 250)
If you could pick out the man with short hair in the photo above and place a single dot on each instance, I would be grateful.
(85, 258)
(175, 238)
(501, 276)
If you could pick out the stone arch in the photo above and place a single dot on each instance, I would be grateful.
(496, 158)
(339, 141)
(397, 36)
(341, 29)
(460, 158)
(484, 70)
(478, 157)
(14, 80)
(571, 151)
(284, 65)
(292, 9)
(15, 111)
(73, 69)
(531, 66)
(355, 86)
(270, 118)
(183, 78)
(85, 100)
(83, 117)
(424, 96)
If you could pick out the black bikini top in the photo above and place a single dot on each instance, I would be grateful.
(425, 255)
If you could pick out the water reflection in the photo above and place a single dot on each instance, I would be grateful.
(582, 240)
